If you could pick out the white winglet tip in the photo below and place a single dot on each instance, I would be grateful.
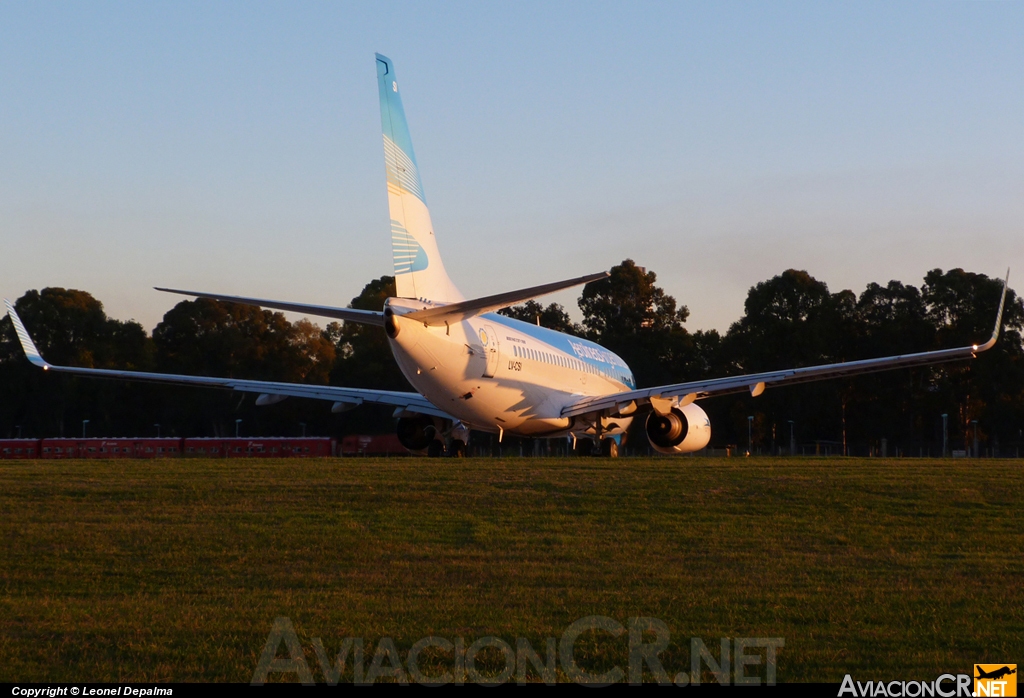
(27, 345)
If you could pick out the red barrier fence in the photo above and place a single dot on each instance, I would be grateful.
(379, 445)
(19, 448)
(268, 447)
(265, 447)
(110, 448)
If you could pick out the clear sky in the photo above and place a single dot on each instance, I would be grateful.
(236, 147)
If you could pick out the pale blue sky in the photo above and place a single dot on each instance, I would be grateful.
(236, 147)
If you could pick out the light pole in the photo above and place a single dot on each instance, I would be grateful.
(238, 423)
(975, 423)
(792, 440)
(157, 430)
(84, 422)
(945, 437)
(303, 425)
(750, 426)
(19, 431)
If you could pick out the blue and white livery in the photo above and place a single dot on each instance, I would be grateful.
(474, 369)
(419, 271)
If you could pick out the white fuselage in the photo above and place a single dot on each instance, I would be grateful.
(494, 373)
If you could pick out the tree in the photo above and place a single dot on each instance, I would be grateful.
(71, 327)
(793, 320)
(207, 337)
(629, 314)
(961, 306)
(627, 303)
(364, 358)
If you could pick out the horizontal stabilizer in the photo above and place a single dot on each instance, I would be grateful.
(455, 312)
(367, 317)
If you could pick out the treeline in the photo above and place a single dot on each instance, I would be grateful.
(789, 320)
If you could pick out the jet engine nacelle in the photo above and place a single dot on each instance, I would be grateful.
(683, 430)
(416, 432)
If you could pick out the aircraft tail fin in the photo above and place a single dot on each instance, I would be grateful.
(419, 272)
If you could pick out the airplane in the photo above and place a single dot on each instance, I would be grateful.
(996, 673)
(474, 369)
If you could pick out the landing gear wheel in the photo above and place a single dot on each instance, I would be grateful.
(609, 448)
(435, 449)
(584, 448)
(457, 449)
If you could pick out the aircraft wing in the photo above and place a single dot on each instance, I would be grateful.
(367, 317)
(661, 398)
(268, 390)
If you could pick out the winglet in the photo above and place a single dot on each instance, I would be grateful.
(26, 341)
(999, 318)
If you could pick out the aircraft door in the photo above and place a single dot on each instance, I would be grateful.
(489, 342)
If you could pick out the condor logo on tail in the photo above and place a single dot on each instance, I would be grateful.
(992, 680)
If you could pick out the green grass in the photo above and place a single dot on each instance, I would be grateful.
(175, 569)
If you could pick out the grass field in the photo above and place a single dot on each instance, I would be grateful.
(176, 569)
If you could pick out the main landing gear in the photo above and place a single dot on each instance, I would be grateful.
(456, 449)
(609, 448)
